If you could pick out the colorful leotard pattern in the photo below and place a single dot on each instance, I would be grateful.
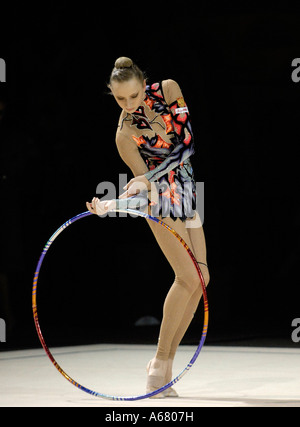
(163, 134)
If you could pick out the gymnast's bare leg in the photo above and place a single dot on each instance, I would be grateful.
(182, 299)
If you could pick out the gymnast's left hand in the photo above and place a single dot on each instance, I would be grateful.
(135, 186)
(101, 207)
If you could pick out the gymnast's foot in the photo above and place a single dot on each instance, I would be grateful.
(170, 392)
(156, 370)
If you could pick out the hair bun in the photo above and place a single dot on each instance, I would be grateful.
(123, 62)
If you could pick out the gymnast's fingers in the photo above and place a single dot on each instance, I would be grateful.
(124, 195)
(128, 184)
(94, 204)
(89, 206)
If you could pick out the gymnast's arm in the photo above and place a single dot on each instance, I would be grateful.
(136, 194)
(136, 191)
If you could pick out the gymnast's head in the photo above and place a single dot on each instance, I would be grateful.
(127, 84)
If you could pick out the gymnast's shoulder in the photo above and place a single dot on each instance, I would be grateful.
(171, 90)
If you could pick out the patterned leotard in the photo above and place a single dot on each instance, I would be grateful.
(162, 130)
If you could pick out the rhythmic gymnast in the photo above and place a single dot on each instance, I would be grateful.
(154, 138)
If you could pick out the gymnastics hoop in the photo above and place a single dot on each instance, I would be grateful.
(39, 332)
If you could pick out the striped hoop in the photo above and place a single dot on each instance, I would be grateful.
(39, 332)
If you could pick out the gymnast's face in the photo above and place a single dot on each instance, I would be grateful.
(130, 94)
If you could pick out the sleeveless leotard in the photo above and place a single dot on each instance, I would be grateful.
(161, 128)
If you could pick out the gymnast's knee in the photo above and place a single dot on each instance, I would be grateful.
(190, 282)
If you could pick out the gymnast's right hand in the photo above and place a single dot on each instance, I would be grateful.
(100, 208)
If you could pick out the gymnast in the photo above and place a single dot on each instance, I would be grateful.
(154, 138)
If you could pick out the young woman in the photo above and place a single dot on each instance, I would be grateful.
(154, 138)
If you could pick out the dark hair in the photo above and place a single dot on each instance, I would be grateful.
(125, 69)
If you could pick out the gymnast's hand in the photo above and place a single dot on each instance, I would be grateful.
(135, 186)
(101, 208)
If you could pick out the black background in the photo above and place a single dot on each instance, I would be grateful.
(233, 63)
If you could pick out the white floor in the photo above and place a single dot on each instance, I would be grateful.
(221, 376)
